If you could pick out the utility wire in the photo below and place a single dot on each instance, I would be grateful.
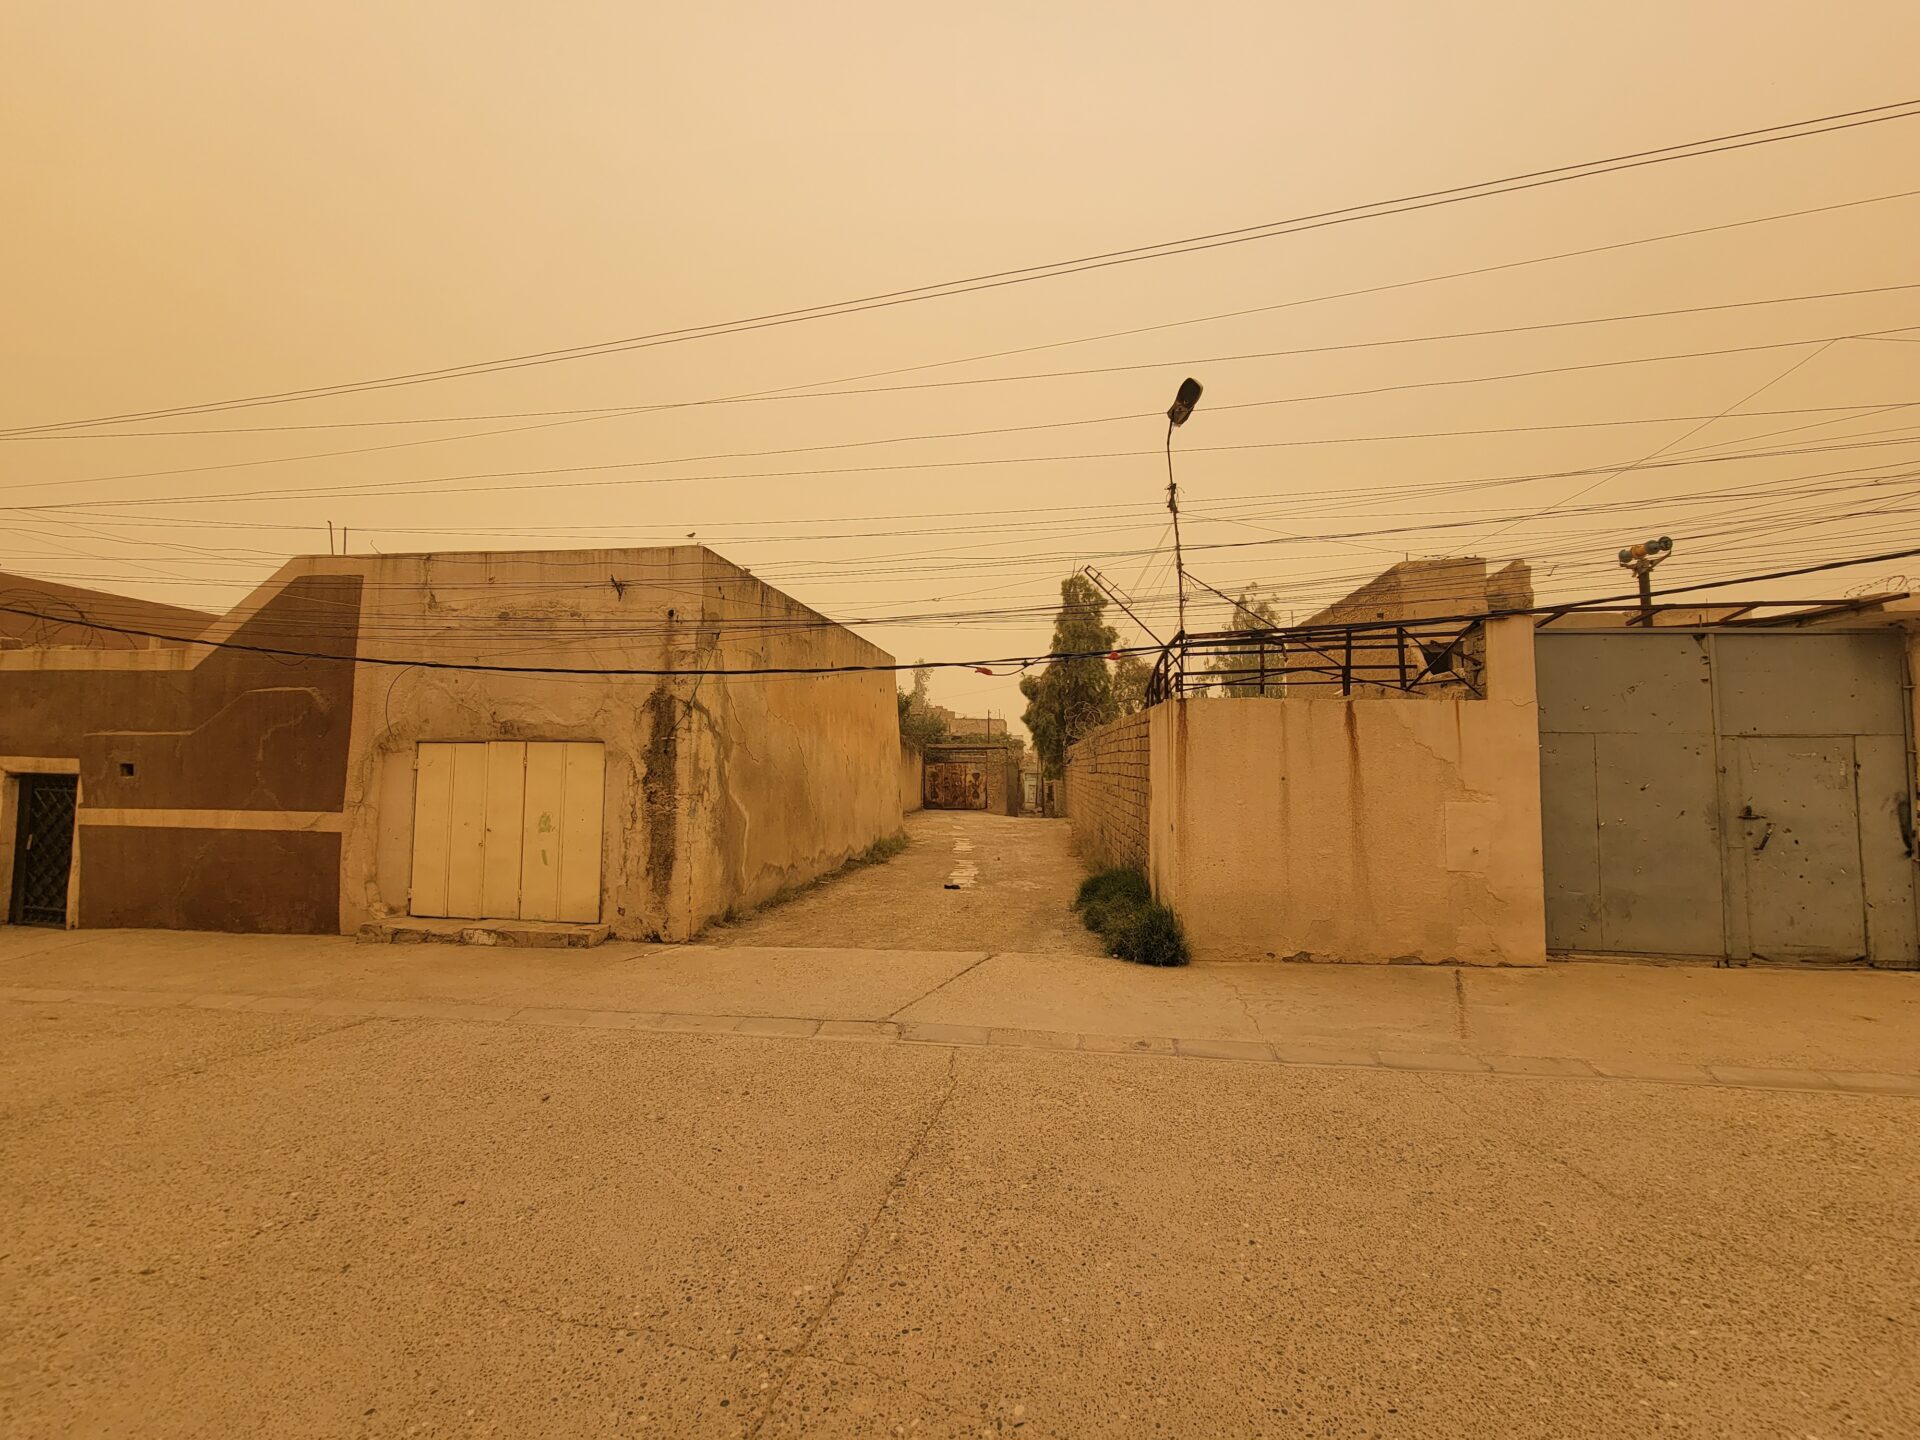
(810, 393)
(1529, 180)
(1022, 662)
(456, 483)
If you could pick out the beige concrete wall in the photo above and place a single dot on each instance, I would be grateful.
(1366, 830)
(721, 789)
(1107, 794)
(913, 767)
(791, 775)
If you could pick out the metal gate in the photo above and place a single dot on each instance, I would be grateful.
(955, 785)
(43, 849)
(1746, 794)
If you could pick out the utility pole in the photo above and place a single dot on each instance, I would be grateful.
(1640, 559)
(1177, 413)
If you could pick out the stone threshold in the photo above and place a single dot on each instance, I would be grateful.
(913, 1032)
(534, 934)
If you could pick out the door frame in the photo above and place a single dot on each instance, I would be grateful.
(12, 768)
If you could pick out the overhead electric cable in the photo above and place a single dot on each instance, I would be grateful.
(1529, 180)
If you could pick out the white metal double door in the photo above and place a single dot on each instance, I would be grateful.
(508, 830)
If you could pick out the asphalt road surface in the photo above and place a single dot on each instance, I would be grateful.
(304, 1188)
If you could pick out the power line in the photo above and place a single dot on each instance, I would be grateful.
(454, 486)
(1768, 493)
(1529, 180)
(871, 569)
(1022, 662)
(810, 393)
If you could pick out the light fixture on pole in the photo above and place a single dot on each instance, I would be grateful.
(1177, 413)
(1641, 558)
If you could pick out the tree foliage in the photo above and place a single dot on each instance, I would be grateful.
(1238, 668)
(1071, 697)
(919, 724)
(1130, 676)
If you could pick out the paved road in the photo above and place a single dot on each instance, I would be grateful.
(1016, 882)
(304, 1188)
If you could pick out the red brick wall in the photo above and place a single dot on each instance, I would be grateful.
(1107, 782)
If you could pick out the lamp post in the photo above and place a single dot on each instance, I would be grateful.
(1177, 413)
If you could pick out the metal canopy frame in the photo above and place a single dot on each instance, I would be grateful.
(1373, 654)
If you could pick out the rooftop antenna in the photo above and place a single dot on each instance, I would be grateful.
(1119, 597)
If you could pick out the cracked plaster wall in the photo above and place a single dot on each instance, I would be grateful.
(721, 790)
(1365, 830)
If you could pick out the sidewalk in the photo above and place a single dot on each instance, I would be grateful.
(1852, 1030)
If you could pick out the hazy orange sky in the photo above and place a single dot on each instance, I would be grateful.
(214, 200)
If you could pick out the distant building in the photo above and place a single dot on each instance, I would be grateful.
(966, 727)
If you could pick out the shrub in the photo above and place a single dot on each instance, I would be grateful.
(1118, 906)
(1128, 887)
(1148, 934)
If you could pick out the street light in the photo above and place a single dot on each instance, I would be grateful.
(1177, 413)
(1184, 402)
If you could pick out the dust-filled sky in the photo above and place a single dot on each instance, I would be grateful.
(206, 201)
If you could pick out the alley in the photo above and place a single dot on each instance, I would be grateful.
(1013, 881)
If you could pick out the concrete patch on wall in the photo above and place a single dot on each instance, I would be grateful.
(1471, 825)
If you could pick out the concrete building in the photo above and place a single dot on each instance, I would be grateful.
(971, 727)
(371, 739)
(1736, 782)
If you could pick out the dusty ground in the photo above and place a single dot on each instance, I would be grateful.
(299, 1187)
(1019, 900)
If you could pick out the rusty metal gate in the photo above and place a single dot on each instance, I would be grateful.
(1746, 794)
(43, 850)
(955, 785)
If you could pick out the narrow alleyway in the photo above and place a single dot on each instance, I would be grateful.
(1015, 879)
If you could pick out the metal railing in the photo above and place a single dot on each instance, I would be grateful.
(1369, 658)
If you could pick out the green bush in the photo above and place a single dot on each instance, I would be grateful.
(1148, 934)
(1128, 887)
(1118, 906)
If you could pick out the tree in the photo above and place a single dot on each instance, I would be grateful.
(1239, 667)
(1130, 676)
(919, 724)
(1072, 697)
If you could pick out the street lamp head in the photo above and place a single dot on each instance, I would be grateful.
(1184, 402)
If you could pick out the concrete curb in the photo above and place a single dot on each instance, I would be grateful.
(888, 1032)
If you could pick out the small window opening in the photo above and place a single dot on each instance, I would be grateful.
(126, 769)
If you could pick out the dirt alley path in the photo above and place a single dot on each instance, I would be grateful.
(1018, 898)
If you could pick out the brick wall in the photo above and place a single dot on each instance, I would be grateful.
(1107, 783)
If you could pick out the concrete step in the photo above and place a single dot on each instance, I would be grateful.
(534, 934)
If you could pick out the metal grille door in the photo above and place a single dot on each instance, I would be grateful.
(43, 849)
